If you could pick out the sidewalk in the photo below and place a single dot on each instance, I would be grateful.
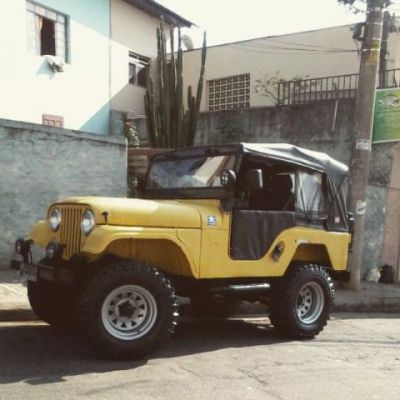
(14, 305)
(373, 297)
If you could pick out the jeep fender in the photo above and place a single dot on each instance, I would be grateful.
(166, 248)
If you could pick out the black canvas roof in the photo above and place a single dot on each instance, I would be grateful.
(300, 156)
(278, 151)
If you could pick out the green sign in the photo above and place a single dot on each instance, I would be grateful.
(387, 116)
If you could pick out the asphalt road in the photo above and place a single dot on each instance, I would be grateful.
(356, 357)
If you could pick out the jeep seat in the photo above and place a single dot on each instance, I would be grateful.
(281, 195)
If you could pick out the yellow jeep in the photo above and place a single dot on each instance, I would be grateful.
(257, 222)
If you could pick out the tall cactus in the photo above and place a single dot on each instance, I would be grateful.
(170, 124)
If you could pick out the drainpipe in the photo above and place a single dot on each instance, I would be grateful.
(384, 50)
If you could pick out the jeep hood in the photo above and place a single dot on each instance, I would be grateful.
(138, 212)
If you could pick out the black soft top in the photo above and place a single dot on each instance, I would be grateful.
(300, 156)
(278, 151)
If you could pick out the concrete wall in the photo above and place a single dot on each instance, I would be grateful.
(40, 165)
(313, 126)
(312, 54)
(305, 125)
(29, 88)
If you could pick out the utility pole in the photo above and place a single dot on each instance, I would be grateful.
(362, 132)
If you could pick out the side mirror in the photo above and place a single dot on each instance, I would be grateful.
(228, 178)
(254, 179)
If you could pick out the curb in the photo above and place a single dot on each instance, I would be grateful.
(247, 310)
(17, 314)
(374, 307)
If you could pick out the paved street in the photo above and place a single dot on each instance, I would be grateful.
(356, 357)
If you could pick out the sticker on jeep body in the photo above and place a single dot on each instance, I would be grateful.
(211, 220)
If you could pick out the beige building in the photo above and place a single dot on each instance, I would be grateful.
(233, 70)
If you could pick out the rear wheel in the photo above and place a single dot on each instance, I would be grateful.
(302, 302)
(128, 309)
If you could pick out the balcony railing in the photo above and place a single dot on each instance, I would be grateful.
(389, 79)
(304, 91)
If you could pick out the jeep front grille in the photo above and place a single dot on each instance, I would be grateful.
(69, 234)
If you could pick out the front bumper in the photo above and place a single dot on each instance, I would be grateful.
(31, 271)
(34, 272)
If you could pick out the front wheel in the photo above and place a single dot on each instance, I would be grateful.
(302, 302)
(128, 309)
(52, 303)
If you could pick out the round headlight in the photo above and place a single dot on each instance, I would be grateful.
(55, 219)
(87, 223)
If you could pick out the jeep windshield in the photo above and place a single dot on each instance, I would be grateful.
(191, 172)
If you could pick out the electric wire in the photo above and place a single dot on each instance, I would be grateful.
(305, 44)
(290, 51)
(267, 47)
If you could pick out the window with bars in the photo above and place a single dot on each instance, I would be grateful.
(230, 93)
(138, 69)
(47, 31)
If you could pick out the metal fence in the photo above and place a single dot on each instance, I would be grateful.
(389, 79)
(304, 91)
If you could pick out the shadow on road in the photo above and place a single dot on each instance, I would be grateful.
(36, 354)
(202, 335)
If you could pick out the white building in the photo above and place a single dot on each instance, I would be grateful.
(69, 63)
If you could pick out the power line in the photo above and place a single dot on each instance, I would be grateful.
(290, 51)
(306, 44)
(256, 43)
(317, 49)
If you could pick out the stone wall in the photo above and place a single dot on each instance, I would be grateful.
(311, 126)
(316, 127)
(40, 165)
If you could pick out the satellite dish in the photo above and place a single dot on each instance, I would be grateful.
(187, 42)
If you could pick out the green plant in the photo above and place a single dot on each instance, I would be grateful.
(170, 125)
(268, 85)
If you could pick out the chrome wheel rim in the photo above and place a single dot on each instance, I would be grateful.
(310, 303)
(129, 312)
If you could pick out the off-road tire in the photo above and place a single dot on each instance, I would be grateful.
(110, 279)
(52, 303)
(286, 301)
